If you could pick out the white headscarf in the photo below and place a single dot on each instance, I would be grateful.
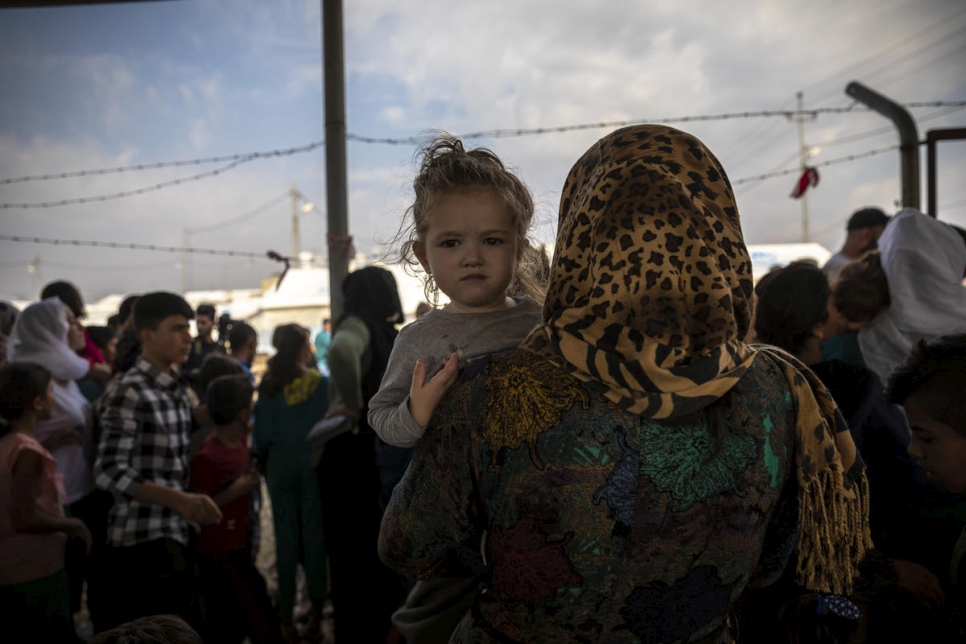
(923, 260)
(40, 335)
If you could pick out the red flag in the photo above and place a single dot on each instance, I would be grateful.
(808, 178)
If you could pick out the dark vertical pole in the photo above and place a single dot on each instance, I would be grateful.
(908, 138)
(932, 208)
(337, 211)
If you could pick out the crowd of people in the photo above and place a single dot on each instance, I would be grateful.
(636, 443)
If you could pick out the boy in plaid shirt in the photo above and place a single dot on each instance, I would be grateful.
(142, 459)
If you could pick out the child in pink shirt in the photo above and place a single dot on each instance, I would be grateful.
(34, 597)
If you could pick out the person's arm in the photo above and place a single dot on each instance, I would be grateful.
(28, 469)
(203, 480)
(349, 345)
(113, 471)
(242, 486)
(389, 414)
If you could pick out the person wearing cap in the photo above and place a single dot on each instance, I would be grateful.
(863, 230)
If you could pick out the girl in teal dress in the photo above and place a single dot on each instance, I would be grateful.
(291, 399)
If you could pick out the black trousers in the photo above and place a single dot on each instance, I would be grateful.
(153, 578)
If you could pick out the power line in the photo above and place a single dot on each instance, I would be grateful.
(930, 63)
(878, 55)
(151, 247)
(242, 217)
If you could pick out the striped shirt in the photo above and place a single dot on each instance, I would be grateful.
(145, 421)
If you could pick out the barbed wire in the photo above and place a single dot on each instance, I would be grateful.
(519, 132)
(150, 247)
(125, 193)
(245, 157)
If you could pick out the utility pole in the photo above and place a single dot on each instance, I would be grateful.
(800, 118)
(337, 214)
(295, 226)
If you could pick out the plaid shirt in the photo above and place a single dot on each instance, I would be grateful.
(145, 421)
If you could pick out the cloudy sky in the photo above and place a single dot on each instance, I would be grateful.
(105, 86)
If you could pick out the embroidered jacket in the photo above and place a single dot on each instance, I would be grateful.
(600, 525)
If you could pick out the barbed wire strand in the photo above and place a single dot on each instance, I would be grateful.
(245, 156)
(238, 159)
(126, 246)
(782, 173)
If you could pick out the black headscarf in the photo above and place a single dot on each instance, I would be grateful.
(370, 294)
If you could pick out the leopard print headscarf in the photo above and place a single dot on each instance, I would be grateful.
(651, 282)
(649, 304)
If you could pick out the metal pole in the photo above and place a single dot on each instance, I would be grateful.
(335, 151)
(803, 162)
(908, 137)
(932, 138)
(295, 225)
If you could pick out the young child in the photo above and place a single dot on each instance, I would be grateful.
(236, 599)
(468, 231)
(930, 385)
(34, 597)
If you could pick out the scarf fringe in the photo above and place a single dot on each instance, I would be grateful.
(834, 532)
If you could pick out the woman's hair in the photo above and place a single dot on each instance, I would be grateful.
(446, 168)
(127, 308)
(68, 294)
(101, 336)
(287, 364)
(21, 383)
(861, 290)
(792, 301)
(227, 396)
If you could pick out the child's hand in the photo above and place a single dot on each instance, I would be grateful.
(249, 480)
(79, 531)
(424, 395)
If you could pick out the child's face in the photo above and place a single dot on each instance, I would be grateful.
(937, 447)
(471, 250)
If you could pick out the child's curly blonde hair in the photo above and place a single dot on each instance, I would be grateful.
(447, 167)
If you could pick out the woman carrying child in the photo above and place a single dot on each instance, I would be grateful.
(34, 598)
(634, 466)
(468, 232)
